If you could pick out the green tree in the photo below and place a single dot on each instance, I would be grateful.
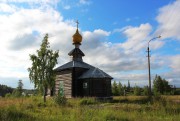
(20, 87)
(161, 86)
(167, 87)
(61, 89)
(158, 85)
(125, 89)
(115, 89)
(146, 90)
(60, 98)
(5, 90)
(41, 72)
(129, 86)
(120, 88)
(173, 90)
(137, 91)
(19, 90)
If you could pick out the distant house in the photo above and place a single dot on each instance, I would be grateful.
(80, 79)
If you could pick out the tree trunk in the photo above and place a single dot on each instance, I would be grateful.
(52, 92)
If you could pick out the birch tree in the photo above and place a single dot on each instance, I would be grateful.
(41, 72)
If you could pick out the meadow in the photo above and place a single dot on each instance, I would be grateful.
(121, 108)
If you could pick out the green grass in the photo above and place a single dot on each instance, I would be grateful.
(129, 108)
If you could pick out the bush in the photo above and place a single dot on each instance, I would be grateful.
(60, 100)
(16, 93)
(8, 95)
(146, 90)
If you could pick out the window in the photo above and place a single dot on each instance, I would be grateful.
(85, 85)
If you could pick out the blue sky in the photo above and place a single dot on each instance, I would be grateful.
(115, 35)
(117, 13)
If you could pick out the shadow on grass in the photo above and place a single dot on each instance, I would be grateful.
(132, 101)
(91, 101)
(172, 111)
(12, 114)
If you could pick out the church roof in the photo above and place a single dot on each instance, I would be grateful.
(92, 72)
(72, 64)
(76, 51)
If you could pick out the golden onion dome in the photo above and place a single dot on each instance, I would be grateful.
(77, 38)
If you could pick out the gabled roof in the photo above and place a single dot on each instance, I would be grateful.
(92, 72)
(72, 64)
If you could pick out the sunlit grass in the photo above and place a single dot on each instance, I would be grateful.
(125, 108)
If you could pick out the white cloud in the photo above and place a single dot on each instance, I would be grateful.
(175, 63)
(25, 21)
(22, 32)
(168, 19)
(7, 8)
(169, 27)
(94, 38)
(137, 37)
(156, 44)
(169, 66)
(114, 57)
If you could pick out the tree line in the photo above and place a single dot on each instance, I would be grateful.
(19, 91)
(4, 89)
(160, 87)
(13, 92)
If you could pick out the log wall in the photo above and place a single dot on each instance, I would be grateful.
(66, 77)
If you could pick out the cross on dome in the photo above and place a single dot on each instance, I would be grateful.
(77, 38)
(77, 23)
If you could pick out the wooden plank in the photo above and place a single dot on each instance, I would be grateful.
(66, 77)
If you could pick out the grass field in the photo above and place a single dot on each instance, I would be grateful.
(129, 108)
